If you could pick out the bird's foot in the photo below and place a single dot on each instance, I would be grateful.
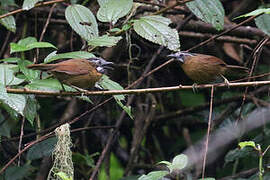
(226, 81)
(194, 87)
(63, 88)
(79, 89)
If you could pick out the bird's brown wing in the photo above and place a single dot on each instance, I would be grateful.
(79, 67)
(207, 59)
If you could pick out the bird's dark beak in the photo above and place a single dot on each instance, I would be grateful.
(173, 55)
(107, 64)
(179, 56)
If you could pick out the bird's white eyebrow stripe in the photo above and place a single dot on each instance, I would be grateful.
(187, 54)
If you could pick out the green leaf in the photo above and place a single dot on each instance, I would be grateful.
(210, 11)
(107, 83)
(29, 74)
(42, 149)
(104, 40)
(102, 2)
(47, 85)
(209, 178)
(165, 162)
(8, 22)
(115, 30)
(127, 109)
(31, 108)
(156, 29)
(7, 76)
(28, 44)
(6, 126)
(263, 23)
(28, 40)
(82, 21)
(76, 55)
(179, 162)
(237, 153)
(15, 101)
(29, 4)
(12, 113)
(85, 98)
(17, 173)
(40, 45)
(255, 12)
(154, 175)
(10, 60)
(112, 10)
(247, 143)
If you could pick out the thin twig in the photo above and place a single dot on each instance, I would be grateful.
(256, 54)
(45, 28)
(21, 137)
(225, 32)
(136, 91)
(171, 6)
(37, 5)
(208, 131)
(47, 23)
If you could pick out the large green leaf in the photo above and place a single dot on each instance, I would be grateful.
(53, 85)
(15, 101)
(8, 22)
(154, 175)
(263, 23)
(76, 55)
(107, 83)
(82, 21)
(237, 153)
(28, 44)
(7, 76)
(156, 29)
(47, 85)
(14, 116)
(179, 162)
(42, 149)
(18, 173)
(5, 127)
(31, 108)
(104, 40)
(102, 2)
(210, 11)
(29, 73)
(10, 60)
(28, 4)
(112, 10)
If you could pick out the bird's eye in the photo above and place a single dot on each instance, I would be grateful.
(181, 56)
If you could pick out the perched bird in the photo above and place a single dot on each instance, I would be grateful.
(203, 68)
(78, 73)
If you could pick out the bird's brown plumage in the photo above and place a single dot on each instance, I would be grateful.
(203, 68)
(81, 73)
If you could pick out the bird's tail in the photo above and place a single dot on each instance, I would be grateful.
(42, 67)
(237, 71)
